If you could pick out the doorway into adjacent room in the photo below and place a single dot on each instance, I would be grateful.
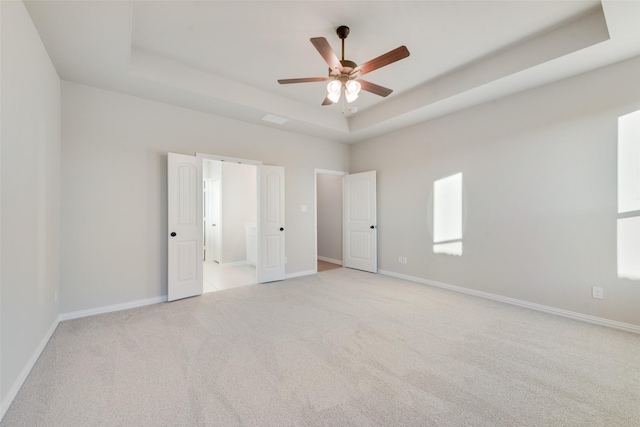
(186, 219)
(229, 224)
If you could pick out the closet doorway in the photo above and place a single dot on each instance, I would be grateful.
(329, 217)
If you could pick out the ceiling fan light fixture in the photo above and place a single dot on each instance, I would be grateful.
(350, 96)
(353, 86)
(343, 72)
(334, 88)
(352, 90)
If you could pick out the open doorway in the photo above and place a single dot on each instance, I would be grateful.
(229, 224)
(185, 223)
(329, 217)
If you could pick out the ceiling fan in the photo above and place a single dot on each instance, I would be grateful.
(345, 74)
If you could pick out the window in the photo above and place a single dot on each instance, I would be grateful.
(447, 215)
(629, 196)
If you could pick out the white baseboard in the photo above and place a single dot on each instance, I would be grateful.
(15, 388)
(300, 273)
(331, 260)
(110, 308)
(539, 307)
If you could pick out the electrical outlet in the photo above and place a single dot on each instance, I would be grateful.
(404, 259)
(597, 292)
(399, 259)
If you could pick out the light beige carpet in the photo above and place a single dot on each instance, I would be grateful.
(338, 348)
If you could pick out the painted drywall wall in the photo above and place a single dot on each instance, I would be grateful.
(329, 194)
(239, 206)
(30, 196)
(114, 188)
(539, 189)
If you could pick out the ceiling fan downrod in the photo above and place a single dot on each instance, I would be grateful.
(343, 32)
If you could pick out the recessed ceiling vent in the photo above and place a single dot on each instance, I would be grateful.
(274, 119)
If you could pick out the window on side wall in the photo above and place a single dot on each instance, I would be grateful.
(629, 196)
(447, 215)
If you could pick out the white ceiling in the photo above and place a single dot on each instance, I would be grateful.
(225, 57)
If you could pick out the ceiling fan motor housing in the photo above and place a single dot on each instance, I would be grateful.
(347, 67)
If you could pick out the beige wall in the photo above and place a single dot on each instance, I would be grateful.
(114, 188)
(29, 197)
(539, 194)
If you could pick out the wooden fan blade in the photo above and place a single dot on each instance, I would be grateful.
(303, 80)
(388, 58)
(324, 48)
(374, 88)
(327, 101)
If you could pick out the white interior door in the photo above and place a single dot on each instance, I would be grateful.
(185, 234)
(360, 225)
(271, 231)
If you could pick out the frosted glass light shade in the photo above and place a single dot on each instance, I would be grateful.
(334, 88)
(352, 89)
(353, 86)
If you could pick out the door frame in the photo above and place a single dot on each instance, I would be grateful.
(229, 159)
(316, 172)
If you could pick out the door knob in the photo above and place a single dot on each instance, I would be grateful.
(281, 228)
(173, 234)
(372, 227)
